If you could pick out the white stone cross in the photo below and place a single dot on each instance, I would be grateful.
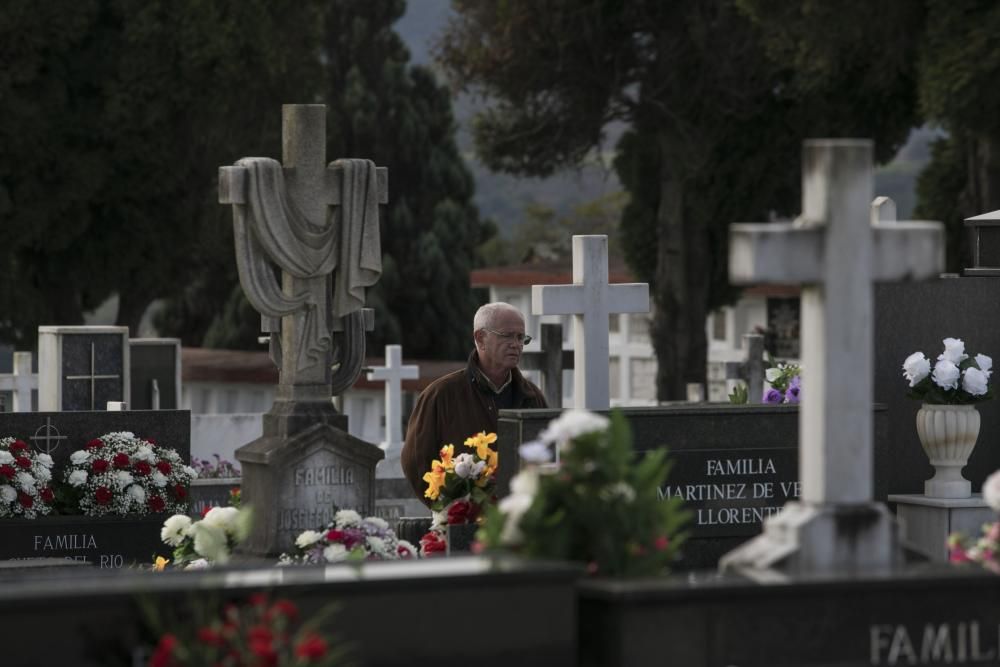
(21, 382)
(393, 374)
(590, 300)
(835, 252)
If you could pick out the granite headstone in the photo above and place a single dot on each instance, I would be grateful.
(155, 373)
(82, 368)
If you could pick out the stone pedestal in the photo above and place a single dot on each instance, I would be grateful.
(296, 476)
(926, 522)
(394, 499)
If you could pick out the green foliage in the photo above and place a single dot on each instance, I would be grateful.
(739, 395)
(602, 506)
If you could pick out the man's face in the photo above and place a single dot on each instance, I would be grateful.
(501, 351)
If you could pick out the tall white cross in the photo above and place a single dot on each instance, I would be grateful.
(590, 300)
(393, 374)
(836, 253)
(21, 382)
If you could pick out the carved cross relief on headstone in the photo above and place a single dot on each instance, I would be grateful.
(550, 361)
(590, 300)
(82, 367)
(318, 224)
(835, 252)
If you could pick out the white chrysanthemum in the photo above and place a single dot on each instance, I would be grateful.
(46, 460)
(79, 456)
(78, 478)
(137, 494)
(6, 457)
(159, 479)
(347, 518)
(8, 493)
(25, 482)
(513, 507)
(573, 423)
(307, 538)
(335, 553)
(954, 351)
(916, 368)
(946, 374)
(198, 564)
(190, 472)
(991, 491)
(175, 529)
(144, 453)
(439, 519)
(535, 451)
(123, 478)
(467, 467)
(222, 517)
(210, 541)
(42, 473)
(525, 483)
(377, 544)
(378, 522)
(974, 381)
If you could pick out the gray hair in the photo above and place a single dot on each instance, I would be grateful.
(486, 315)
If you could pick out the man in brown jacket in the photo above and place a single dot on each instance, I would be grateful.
(466, 401)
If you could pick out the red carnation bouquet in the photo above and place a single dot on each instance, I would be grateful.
(120, 474)
(257, 632)
(25, 480)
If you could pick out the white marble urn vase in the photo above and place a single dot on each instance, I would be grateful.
(948, 433)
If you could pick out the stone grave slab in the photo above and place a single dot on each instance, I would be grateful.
(110, 542)
(733, 465)
(82, 368)
(312, 475)
(155, 373)
(530, 605)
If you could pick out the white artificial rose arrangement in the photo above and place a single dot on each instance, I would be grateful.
(955, 379)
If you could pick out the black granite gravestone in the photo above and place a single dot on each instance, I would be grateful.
(912, 317)
(733, 465)
(106, 542)
(154, 369)
(93, 371)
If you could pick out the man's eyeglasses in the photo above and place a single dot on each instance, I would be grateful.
(510, 335)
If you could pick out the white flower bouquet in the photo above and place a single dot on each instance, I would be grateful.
(25, 478)
(121, 474)
(352, 538)
(955, 379)
(211, 540)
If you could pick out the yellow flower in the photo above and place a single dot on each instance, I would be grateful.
(435, 480)
(481, 442)
(491, 459)
(160, 563)
(447, 452)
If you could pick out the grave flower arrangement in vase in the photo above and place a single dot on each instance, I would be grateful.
(985, 550)
(120, 474)
(25, 481)
(785, 382)
(259, 631)
(349, 538)
(947, 421)
(209, 541)
(600, 504)
(459, 486)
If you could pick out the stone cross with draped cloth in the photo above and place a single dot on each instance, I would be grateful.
(317, 224)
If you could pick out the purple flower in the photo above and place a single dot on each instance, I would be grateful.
(772, 395)
(796, 382)
(792, 395)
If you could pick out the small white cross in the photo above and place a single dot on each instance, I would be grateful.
(393, 373)
(21, 382)
(590, 300)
